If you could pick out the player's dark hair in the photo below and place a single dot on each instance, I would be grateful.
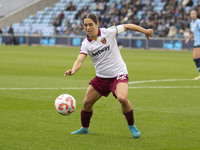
(92, 17)
(193, 10)
(198, 15)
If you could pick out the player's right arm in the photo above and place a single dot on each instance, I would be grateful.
(189, 38)
(77, 65)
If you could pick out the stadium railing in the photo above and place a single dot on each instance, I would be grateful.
(131, 42)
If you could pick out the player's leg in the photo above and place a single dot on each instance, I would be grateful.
(91, 97)
(86, 113)
(121, 93)
(196, 58)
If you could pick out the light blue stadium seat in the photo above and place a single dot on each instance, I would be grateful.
(91, 7)
(157, 1)
(139, 14)
(187, 9)
(62, 1)
(73, 13)
(158, 8)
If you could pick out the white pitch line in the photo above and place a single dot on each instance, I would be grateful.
(75, 88)
(167, 87)
(163, 80)
(134, 82)
(84, 88)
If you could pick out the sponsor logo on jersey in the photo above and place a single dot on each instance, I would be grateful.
(103, 41)
(106, 48)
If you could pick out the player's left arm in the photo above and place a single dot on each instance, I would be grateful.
(133, 27)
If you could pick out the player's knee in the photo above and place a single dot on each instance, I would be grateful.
(87, 105)
(123, 100)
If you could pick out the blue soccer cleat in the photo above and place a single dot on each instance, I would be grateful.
(135, 132)
(82, 131)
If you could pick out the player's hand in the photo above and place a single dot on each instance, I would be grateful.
(69, 72)
(149, 33)
(187, 41)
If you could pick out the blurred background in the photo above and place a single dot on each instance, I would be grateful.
(58, 22)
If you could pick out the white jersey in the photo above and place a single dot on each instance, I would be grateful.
(105, 53)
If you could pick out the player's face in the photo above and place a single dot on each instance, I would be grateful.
(90, 27)
(193, 15)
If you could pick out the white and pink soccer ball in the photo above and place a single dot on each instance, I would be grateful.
(65, 104)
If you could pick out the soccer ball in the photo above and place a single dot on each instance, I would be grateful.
(65, 104)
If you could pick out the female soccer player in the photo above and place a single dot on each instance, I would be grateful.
(195, 32)
(111, 71)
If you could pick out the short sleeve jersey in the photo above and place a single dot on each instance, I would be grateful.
(195, 29)
(105, 53)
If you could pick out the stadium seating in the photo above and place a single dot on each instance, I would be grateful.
(9, 6)
(41, 23)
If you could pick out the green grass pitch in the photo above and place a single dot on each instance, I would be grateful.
(167, 113)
